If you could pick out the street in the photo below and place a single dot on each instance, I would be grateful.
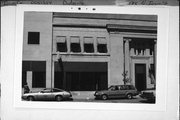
(135, 99)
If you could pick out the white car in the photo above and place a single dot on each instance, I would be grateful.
(48, 94)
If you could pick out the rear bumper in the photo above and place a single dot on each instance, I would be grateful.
(147, 96)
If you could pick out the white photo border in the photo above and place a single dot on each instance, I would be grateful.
(162, 57)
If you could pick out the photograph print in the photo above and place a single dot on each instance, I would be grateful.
(89, 57)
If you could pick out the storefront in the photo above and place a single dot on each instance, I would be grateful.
(96, 50)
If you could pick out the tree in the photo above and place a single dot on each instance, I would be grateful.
(126, 80)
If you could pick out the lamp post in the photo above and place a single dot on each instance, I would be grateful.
(61, 66)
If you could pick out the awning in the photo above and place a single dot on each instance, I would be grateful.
(75, 40)
(88, 40)
(61, 39)
(101, 40)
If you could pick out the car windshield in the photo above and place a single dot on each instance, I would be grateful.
(57, 90)
(113, 88)
(47, 90)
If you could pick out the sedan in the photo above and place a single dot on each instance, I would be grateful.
(48, 94)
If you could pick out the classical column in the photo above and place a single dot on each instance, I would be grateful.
(29, 79)
(52, 72)
(95, 45)
(127, 56)
(82, 44)
(68, 44)
(116, 59)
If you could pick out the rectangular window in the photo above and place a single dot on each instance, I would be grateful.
(88, 45)
(75, 44)
(88, 48)
(33, 37)
(101, 45)
(38, 79)
(61, 44)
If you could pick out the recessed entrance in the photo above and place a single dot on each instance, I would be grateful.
(81, 76)
(140, 76)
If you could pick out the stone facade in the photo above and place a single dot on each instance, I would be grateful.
(96, 50)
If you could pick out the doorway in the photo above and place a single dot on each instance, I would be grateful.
(140, 76)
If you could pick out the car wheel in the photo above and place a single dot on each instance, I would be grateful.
(59, 98)
(104, 97)
(129, 96)
(30, 98)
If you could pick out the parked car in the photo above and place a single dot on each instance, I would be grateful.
(117, 91)
(48, 94)
(149, 95)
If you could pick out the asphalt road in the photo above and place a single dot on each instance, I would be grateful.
(120, 100)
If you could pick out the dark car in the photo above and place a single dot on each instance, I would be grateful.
(149, 94)
(48, 94)
(117, 91)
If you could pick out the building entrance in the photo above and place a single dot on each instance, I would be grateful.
(140, 76)
(81, 76)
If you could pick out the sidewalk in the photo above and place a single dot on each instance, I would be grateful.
(88, 95)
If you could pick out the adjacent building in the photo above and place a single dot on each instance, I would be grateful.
(96, 50)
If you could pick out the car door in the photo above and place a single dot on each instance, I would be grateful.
(40, 95)
(45, 95)
(122, 91)
(113, 92)
(48, 95)
(55, 92)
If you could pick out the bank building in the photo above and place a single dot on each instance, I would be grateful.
(88, 52)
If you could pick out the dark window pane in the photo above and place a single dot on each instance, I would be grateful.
(152, 70)
(62, 47)
(33, 37)
(57, 90)
(58, 79)
(132, 87)
(39, 79)
(34, 65)
(24, 80)
(89, 48)
(75, 47)
(102, 48)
